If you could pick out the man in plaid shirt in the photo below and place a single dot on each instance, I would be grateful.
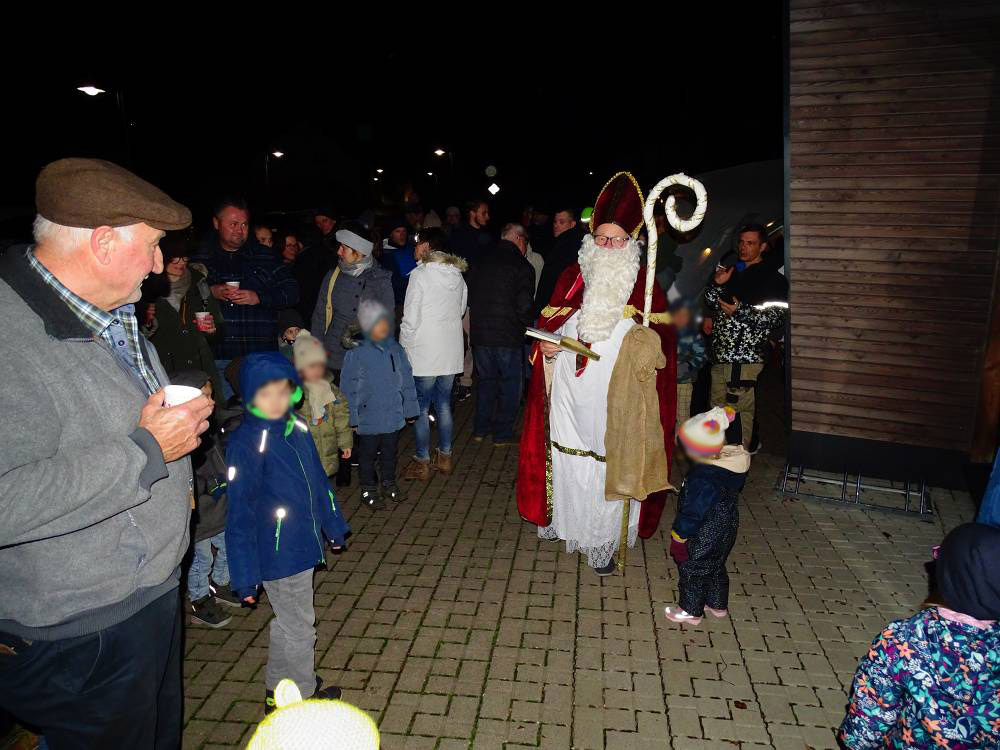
(250, 282)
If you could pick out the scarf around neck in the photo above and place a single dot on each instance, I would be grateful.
(319, 393)
(178, 289)
(356, 269)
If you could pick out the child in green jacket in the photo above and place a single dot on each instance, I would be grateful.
(323, 406)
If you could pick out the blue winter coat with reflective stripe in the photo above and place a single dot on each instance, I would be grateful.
(280, 502)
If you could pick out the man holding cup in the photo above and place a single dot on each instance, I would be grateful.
(251, 283)
(95, 483)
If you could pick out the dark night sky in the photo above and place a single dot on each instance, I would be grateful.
(545, 113)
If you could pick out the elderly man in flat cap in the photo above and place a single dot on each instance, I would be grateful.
(95, 483)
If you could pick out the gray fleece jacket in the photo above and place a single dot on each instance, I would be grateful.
(94, 523)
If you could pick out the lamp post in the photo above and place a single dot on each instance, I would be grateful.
(267, 166)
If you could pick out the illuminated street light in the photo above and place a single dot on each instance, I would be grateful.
(374, 179)
(439, 152)
(277, 154)
(380, 171)
(90, 90)
(430, 174)
(494, 189)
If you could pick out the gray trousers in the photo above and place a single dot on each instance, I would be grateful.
(291, 652)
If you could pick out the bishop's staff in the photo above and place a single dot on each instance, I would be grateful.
(681, 225)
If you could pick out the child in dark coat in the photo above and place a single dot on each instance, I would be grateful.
(208, 573)
(378, 383)
(708, 517)
(281, 507)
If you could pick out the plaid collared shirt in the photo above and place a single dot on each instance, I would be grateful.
(119, 328)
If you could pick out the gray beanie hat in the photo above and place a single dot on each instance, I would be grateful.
(369, 313)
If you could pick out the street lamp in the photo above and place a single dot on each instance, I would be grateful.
(267, 166)
(439, 152)
(90, 90)
(494, 189)
(380, 171)
(430, 174)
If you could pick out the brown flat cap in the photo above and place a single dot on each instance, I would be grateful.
(93, 193)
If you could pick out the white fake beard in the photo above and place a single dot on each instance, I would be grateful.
(609, 277)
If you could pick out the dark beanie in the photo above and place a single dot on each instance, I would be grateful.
(968, 571)
(193, 378)
(176, 245)
(288, 318)
(392, 223)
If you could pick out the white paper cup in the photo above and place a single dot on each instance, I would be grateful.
(175, 395)
(203, 320)
(233, 284)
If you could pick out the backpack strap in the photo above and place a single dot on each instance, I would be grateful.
(329, 299)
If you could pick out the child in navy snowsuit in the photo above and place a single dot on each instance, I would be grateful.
(378, 382)
(708, 516)
(282, 511)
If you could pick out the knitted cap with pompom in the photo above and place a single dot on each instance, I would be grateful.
(704, 434)
(299, 724)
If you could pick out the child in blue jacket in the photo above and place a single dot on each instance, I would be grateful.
(378, 383)
(708, 516)
(280, 508)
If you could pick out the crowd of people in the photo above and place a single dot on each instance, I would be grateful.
(306, 350)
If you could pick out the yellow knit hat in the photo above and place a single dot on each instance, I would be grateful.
(313, 724)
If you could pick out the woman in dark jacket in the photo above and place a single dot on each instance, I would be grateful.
(358, 276)
(181, 341)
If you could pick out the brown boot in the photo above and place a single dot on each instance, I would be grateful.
(419, 471)
(442, 462)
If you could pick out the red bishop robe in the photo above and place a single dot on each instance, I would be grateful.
(532, 501)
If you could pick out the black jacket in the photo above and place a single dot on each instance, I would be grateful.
(470, 243)
(565, 252)
(501, 285)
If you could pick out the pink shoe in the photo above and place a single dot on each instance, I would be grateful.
(676, 614)
(720, 613)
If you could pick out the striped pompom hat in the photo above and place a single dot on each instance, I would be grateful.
(705, 434)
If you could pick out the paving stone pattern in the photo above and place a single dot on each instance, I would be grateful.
(455, 627)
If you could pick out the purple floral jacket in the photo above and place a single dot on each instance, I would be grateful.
(927, 682)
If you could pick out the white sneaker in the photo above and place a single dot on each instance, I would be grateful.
(676, 614)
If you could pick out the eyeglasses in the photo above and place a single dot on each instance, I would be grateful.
(616, 242)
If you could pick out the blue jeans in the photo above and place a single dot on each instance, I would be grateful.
(499, 375)
(436, 390)
(227, 390)
(202, 566)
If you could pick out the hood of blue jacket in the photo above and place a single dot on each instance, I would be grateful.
(261, 368)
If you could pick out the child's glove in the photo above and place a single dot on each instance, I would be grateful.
(217, 487)
(679, 549)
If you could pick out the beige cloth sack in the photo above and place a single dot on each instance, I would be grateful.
(633, 442)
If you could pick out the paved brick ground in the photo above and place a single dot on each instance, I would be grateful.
(455, 627)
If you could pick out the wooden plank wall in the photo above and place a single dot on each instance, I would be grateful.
(894, 179)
